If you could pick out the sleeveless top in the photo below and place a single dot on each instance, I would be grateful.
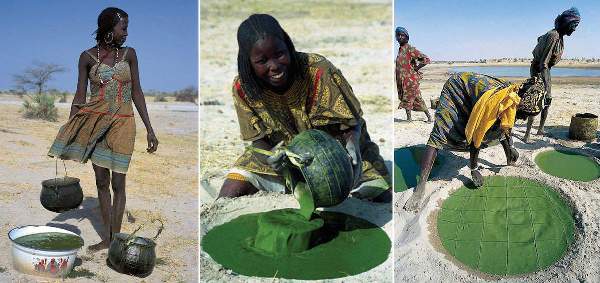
(112, 84)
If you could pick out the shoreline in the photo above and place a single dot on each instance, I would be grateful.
(574, 65)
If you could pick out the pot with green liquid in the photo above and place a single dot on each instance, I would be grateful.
(43, 250)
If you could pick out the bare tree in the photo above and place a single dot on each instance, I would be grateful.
(37, 77)
(40, 105)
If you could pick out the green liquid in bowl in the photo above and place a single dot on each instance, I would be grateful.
(50, 241)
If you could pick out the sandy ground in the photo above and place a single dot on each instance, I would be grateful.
(161, 185)
(355, 36)
(419, 258)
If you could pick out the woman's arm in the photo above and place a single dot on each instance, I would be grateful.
(82, 81)
(421, 58)
(548, 47)
(140, 101)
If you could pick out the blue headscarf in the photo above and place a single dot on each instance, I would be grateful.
(567, 18)
(402, 30)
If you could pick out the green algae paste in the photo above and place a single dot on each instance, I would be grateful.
(508, 226)
(344, 245)
(568, 165)
(50, 241)
(407, 166)
(285, 232)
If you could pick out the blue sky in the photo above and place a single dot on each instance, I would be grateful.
(164, 34)
(469, 29)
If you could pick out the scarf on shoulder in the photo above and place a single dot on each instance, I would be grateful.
(494, 104)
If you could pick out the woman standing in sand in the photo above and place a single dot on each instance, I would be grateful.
(281, 92)
(408, 63)
(476, 111)
(103, 129)
(548, 53)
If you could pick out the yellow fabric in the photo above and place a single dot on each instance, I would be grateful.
(235, 176)
(494, 104)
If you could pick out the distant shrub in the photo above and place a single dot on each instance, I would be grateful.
(188, 94)
(63, 97)
(160, 98)
(40, 106)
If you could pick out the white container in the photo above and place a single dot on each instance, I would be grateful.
(39, 262)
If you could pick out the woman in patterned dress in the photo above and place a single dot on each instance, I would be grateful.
(281, 92)
(477, 111)
(548, 53)
(103, 129)
(408, 63)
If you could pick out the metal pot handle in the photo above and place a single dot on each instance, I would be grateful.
(56, 173)
(160, 229)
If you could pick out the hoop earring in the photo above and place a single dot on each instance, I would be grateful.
(111, 38)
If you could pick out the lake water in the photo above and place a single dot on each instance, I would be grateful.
(523, 71)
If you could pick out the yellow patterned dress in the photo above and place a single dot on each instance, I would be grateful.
(103, 129)
(322, 100)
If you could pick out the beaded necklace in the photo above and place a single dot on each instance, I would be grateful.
(113, 67)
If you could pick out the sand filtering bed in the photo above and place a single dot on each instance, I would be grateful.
(568, 165)
(509, 226)
(346, 245)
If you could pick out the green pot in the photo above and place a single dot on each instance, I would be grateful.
(324, 165)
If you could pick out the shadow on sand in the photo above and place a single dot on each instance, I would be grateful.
(88, 209)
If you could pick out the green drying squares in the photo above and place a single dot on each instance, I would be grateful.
(496, 204)
(517, 204)
(468, 252)
(519, 217)
(508, 226)
(472, 216)
(521, 258)
(493, 257)
(449, 215)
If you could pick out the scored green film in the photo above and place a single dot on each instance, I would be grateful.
(508, 226)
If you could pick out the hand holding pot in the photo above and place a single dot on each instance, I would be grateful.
(278, 160)
(353, 148)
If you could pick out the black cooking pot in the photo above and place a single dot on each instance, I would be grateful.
(133, 255)
(61, 194)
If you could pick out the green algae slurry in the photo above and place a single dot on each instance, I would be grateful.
(568, 165)
(508, 226)
(50, 241)
(343, 245)
(303, 243)
(285, 232)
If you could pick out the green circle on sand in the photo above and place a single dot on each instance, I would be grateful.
(508, 226)
(347, 245)
(568, 165)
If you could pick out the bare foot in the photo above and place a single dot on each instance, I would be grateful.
(99, 246)
(477, 178)
(541, 132)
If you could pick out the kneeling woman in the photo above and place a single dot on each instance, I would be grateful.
(477, 111)
(281, 92)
